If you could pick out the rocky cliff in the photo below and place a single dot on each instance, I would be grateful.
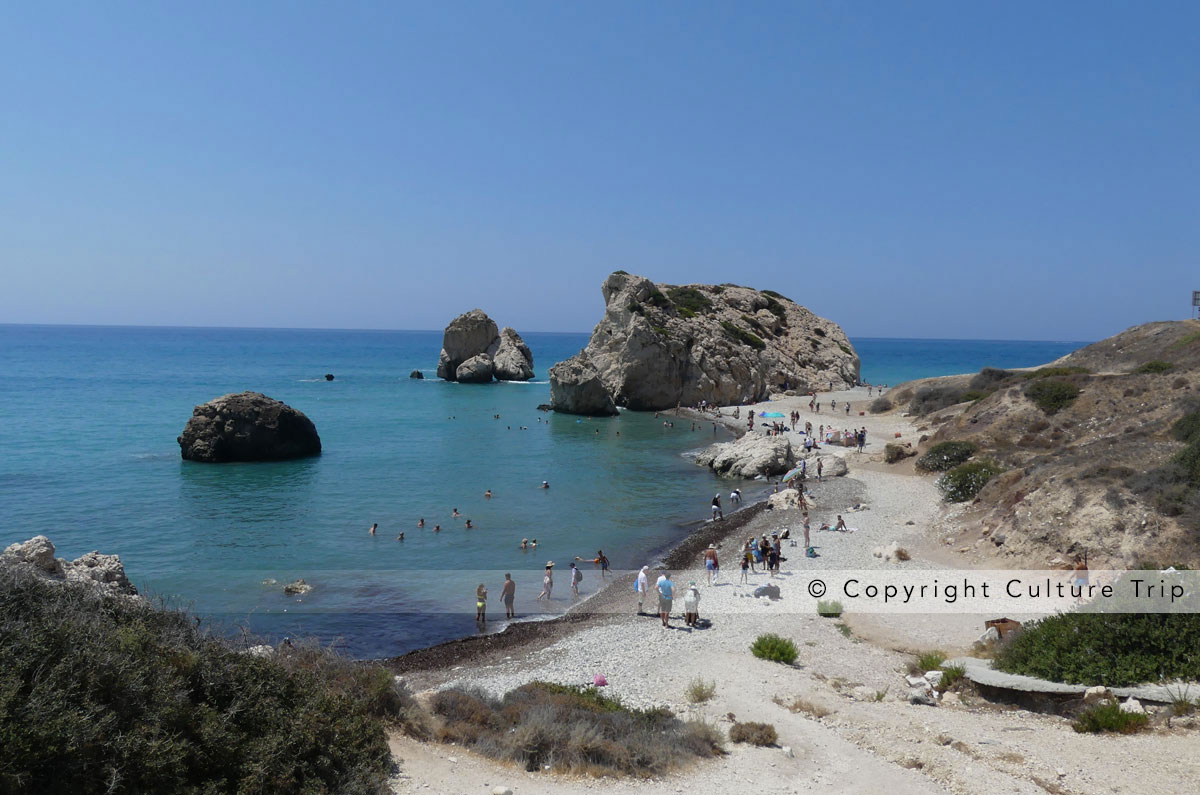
(660, 345)
(247, 426)
(474, 352)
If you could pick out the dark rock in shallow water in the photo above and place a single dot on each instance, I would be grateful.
(247, 426)
(329, 376)
(416, 374)
(545, 407)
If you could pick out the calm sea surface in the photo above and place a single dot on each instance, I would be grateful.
(88, 457)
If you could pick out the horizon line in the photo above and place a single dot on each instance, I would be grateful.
(440, 331)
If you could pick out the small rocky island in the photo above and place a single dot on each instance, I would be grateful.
(662, 345)
(247, 426)
(475, 352)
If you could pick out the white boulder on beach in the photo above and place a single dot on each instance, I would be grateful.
(748, 457)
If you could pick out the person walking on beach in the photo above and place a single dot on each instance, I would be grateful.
(807, 543)
(691, 605)
(481, 604)
(642, 587)
(820, 469)
(862, 438)
(666, 593)
(711, 564)
(508, 594)
(576, 578)
(547, 582)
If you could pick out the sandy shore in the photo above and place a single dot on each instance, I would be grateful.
(871, 740)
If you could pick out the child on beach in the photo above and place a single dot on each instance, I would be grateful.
(576, 578)
(745, 566)
(481, 603)
(691, 605)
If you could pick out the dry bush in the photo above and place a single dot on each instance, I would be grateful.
(753, 733)
(799, 704)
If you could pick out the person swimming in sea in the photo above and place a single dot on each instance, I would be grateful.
(469, 525)
(401, 536)
(524, 543)
(421, 523)
(488, 494)
(437, 528)
(533, 543)
(455, 514)
(545, 484)
(373, 528)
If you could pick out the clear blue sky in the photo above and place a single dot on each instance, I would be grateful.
(957, 169)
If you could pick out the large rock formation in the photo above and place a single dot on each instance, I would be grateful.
(247, 426)
(473, 335)
(513, 360)
(576, 388)
(105, 573)
(660, 345)
(750, 456)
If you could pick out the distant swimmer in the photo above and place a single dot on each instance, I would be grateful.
(373, 528)
(524, 543)
(455, 514)
(545, 484)
(401, 536)
(533, 543)
(421, 522)
(488, 494)
(437, 528)
(469, 525)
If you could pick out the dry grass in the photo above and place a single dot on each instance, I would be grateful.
(799, 704)
(572, 729)
(698, 691)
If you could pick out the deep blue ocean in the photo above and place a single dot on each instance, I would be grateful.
(88, 457)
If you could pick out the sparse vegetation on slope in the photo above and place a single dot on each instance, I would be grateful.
(946, 455)
(113, 695)
(1052, 396)
(573, 730)
(964, 481)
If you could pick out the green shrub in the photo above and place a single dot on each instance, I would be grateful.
(951, 675)
(689, 298)
(101, 694)
(774, 294)
(774, 648)
(572, 729)
(880, 405)
(753, 733)
(820, 332)
(1109, 718)
(698, 691)
(1052, 396)
(946, 455)
(1054, 372)
(829, 609)
(926, 661)
(929, 399)
(776, 309)
(845, 349)
(989, 379)
(964, 481)
(1110, 649)
(1156, 366)
(743, 336)
(685, 313)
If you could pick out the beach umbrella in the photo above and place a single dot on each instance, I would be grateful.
(795, 473)
(771, 414)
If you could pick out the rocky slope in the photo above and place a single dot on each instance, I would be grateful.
(247, 426)
(1095, 448)
(474, 352)
(661, 345)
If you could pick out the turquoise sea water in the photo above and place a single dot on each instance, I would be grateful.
(89, 417)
